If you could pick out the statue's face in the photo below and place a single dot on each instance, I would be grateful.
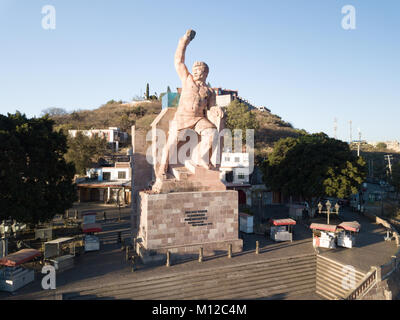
(199, 73)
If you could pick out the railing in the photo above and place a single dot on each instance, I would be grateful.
(363, 286)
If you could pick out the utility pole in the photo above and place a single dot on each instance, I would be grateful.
(359, 142)
(389, 159)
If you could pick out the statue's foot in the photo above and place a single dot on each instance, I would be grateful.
(205, 165)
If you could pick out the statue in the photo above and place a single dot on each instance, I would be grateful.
(196, 99)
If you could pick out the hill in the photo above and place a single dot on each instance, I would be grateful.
(271, 127)
(111, 114)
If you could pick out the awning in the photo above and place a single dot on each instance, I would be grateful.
(283, 222)
(91, 227)
(323, 227)
(19, 257)
(350, 226)
(89, 213)
(59, 240)
(245, 215)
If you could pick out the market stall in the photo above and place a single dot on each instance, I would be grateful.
(12, 273)
(89, 228)
(246, 223)
(347, 234)
(282, 229)
(324, 235)
(60, 253)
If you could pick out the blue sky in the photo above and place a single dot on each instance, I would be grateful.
(292, 56)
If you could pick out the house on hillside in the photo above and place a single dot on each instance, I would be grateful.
(113, 135)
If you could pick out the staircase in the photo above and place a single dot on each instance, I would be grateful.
(331, 275)
(270, 279)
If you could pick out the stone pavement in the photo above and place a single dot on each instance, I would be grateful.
(370, 249)
(109, 266)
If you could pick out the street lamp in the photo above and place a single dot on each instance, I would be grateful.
(328, 209)
(320, 208)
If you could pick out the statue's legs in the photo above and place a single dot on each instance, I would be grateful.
(207, 132)
(171, 142)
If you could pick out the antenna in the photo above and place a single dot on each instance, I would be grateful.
(335, 128)
(351, 131)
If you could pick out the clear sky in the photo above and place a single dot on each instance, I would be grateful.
(292, 56)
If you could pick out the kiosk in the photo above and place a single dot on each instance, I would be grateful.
(347, 234)
(89, 228)
(246, 222)
(282, 229)
(60, 253)
(324, 235)
(12, 274)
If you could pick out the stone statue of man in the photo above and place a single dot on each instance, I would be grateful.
(196, 98)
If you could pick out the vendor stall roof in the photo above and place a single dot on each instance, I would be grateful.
(89, 213)
(323, 227)
(350, 226)
(283, 222)
(19, 257)
(91, 227)
(59, 240)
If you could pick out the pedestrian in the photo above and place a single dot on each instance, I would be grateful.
(119, 237)
(104, 216)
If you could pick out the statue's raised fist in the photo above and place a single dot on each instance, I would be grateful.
(190, 34)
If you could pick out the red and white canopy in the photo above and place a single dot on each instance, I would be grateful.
(283, 222)
(19, 257)
(91, 227)
(350, 226)
(323, 227)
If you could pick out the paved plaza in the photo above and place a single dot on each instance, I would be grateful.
(108, 266)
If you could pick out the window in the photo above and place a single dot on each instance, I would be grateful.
(237, 159)
(229, 176)
(121, 174)
(106, 176)
(241, 176)
(227, 159)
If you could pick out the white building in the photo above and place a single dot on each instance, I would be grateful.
(224, 100)
(113, 135)
(120, 172)
(235, 168)
(108, 184)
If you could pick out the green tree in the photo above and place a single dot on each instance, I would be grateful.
(395, 178)
(36, 182)
(381, 146)
(147, 92)
(54, 112)
(314, 166)
(84, 150)
(238, 116)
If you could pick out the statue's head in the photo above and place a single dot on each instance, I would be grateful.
(200, 71)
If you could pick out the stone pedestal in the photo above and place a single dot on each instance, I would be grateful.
(182, 222)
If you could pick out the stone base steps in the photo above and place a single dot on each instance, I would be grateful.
(274, 279)
(333, 279)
